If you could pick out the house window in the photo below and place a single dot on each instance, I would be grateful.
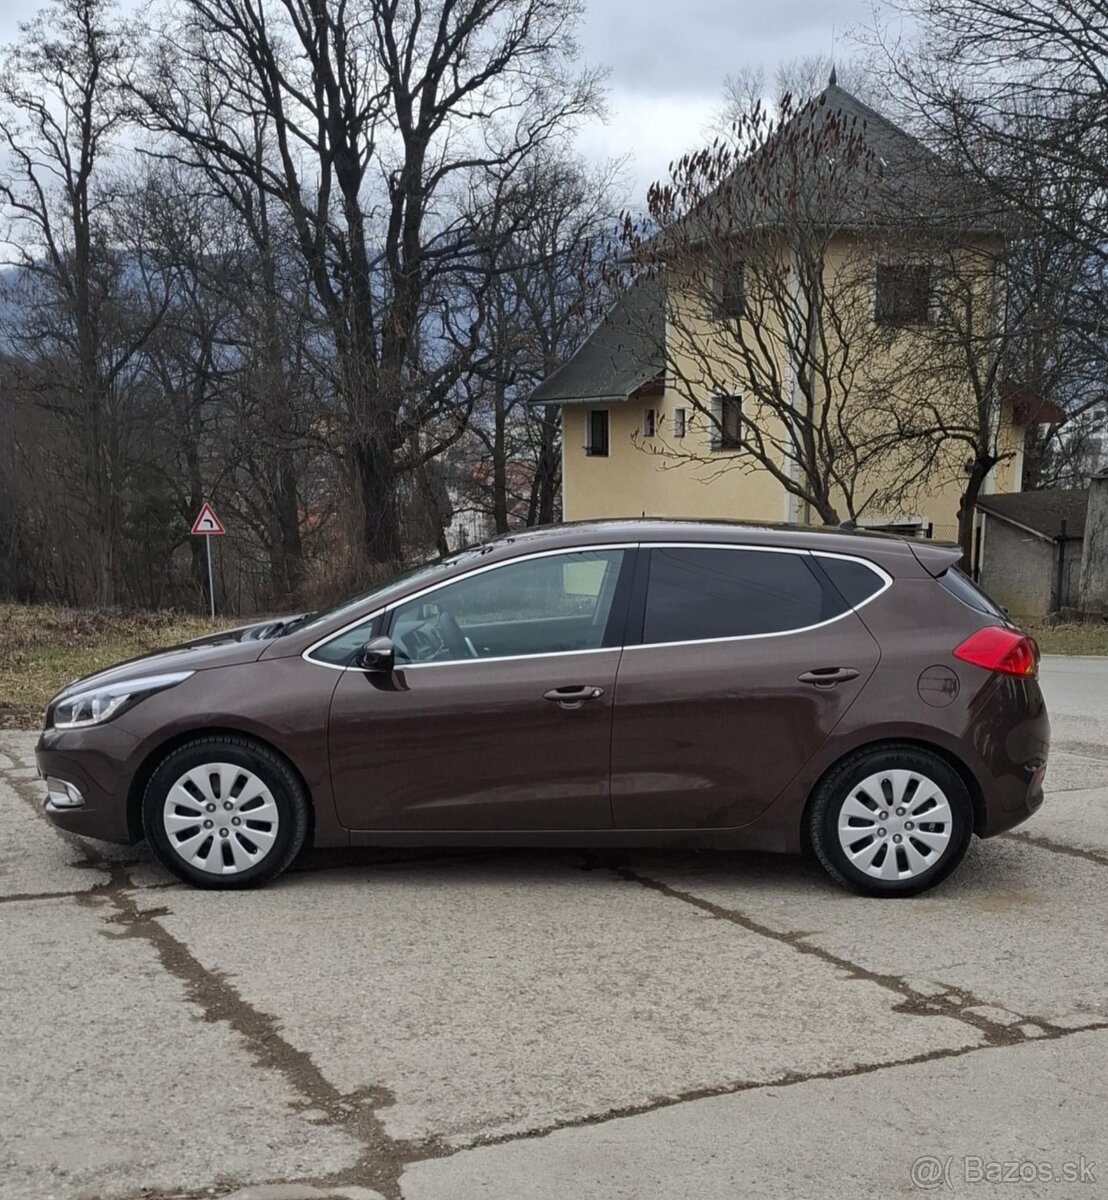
(902, 295)
(728, 423)
(649, 422)
(597, 444)
(730, 289)
(678, 422)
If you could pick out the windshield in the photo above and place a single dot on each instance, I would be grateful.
(379, 596)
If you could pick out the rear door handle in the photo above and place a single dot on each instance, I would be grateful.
(826, 677)
(574, 695)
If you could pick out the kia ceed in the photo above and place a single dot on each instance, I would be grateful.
(613, 683)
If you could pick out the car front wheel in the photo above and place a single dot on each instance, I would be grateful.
(225, 812)
(892, 821)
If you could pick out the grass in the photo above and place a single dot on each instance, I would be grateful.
(43, 648)
(1090, 638)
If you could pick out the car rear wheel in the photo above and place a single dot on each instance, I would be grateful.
(893, 821)
(225, 812)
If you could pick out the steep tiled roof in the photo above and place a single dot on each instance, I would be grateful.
(624, 352)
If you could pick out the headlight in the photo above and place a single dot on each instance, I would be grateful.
(100, 704)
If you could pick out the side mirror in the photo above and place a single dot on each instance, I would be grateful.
(378, 654)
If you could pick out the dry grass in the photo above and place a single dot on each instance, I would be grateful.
(43, 648)
(1089, 638)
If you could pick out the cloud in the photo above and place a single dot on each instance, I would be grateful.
(662, 47)
(668, 62)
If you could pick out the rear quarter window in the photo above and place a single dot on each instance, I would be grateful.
(958, 584)
(855, 581)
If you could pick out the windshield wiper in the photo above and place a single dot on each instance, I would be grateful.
(291, 625)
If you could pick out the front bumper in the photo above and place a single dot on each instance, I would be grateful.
(97, 764)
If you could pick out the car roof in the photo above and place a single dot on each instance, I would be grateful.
(830, 539)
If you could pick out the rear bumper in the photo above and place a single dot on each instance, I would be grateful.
(1010, 731)
(1000, 817)
(96, 763)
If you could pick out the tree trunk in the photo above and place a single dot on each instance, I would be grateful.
(548, 469)
(376, 474)
(968, 507)
(499, 464)
(286, 550)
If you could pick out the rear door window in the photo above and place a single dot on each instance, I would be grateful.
(696, 593)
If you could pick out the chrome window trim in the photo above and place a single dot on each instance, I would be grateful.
(884, 576)
(461, 662)
(372, 616)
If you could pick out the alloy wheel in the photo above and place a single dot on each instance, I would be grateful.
(895, 825)
(220, 818)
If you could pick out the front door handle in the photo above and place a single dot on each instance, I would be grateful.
(825, 677)
(574, 695)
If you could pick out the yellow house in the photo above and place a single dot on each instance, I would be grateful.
(658, 421)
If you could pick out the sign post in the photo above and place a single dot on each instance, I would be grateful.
(207, 525)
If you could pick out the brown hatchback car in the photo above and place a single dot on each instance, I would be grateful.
(616, 683)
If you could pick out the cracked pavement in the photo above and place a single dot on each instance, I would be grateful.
(545, 1025)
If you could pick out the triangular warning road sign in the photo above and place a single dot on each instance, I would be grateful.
(207, 523)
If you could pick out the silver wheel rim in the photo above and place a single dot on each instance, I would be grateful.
(895, 825)
(220, 818)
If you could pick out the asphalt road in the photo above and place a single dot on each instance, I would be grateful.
(562, 1025)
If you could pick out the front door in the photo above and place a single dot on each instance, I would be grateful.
(748, 659)
(499, 713)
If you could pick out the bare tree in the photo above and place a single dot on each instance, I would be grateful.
(541, 266)
(793, 83)
(1016, 94)
(79, 331)
(1017, 91)
(374, 118)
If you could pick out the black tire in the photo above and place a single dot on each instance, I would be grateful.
(835, 789)
(270, 768)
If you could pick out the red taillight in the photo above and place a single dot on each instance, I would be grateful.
(998, 649)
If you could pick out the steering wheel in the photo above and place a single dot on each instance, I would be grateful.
(456, 642)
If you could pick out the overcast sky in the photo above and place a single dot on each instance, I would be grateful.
(667, 61)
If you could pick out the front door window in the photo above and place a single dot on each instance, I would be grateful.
(548, 604)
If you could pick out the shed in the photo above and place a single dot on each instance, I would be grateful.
(1029, 549)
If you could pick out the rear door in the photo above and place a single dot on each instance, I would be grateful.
(747, 659)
